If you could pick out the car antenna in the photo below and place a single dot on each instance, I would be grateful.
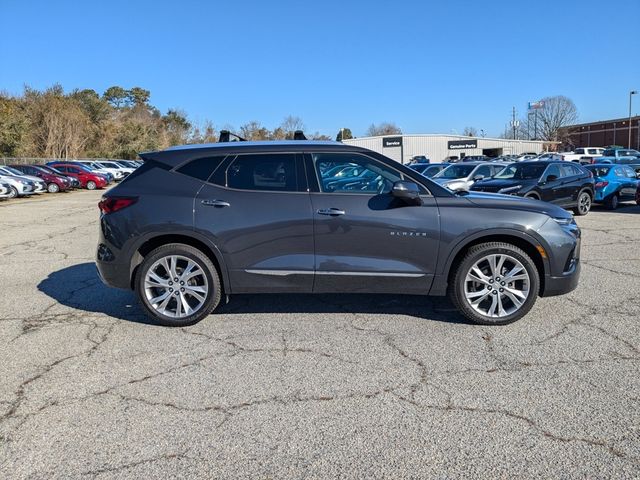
(225, 136)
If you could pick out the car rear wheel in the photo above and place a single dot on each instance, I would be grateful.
(494, 284)
(613, 202)
(53, 188)
(533, 196)
(178, 285)
(91, 185)
(584, 203)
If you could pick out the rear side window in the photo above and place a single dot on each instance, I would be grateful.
(201, 168)
(267, 172)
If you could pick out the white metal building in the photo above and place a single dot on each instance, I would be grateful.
(438, 147)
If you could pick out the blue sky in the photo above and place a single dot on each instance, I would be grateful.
(428, 66)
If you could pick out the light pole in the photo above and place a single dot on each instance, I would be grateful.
(631, 94)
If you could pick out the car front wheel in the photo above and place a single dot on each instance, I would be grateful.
(91, 185)
(53, 188)
(494, 284)
(178, 285)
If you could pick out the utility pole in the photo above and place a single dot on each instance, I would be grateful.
(513, 122)
(631, 93)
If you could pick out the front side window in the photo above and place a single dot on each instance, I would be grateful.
(580, 151)
(554, 170)
(353, 173)
(484, 170)
(268, 172)
(526, 171)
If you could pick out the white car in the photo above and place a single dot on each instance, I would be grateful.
(5, 188)
(40, 186)
(126, 171)
(18, 186)
(115, 173)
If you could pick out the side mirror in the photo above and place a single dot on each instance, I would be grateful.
(551, 178)
(477, 178)
(408, 191)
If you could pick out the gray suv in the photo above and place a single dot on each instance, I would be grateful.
(201, 221)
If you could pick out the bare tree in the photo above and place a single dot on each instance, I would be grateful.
(557, 112)
(254, 131)
(385, 128)
(470, 132)
(288, 127)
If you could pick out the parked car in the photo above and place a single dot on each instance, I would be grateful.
(566, 184)
(452, 159)
(117, 166)
(620, 156)
(638, 195)
(39, 185)
(429, 169)
(419, 159)
(112, 174)
(73, 181)
(462, 175)
(87, 178)
(129, 163)
(55, 183)
(549, 156)
(583, 155)
(18, 186)
(475, 158)
(5, 190)
(614, 184)
(526, 156)
(199, 222)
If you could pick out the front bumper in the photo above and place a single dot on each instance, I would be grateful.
(565, 283)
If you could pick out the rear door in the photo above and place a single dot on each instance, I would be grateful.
(366, 240)
(256, 209)
(627, 177)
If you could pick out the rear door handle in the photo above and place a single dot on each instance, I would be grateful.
(334, 212)
(215, 203)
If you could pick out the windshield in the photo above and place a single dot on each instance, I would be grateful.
(521, 172)
(455, 171)
(13, 171)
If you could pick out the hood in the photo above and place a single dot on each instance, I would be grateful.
(498, 200)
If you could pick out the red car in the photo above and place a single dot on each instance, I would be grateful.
(55, 183)
(86, 177)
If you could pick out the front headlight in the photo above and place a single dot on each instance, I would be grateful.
(564, 221)
(23, 182)
(515, 188)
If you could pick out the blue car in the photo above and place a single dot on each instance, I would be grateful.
(614, 184)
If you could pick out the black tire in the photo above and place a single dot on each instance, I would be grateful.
(91, 185)
(212, 298)
(612, 202)
(473, 255)
(53, 188)
(13, 192)
(584, 203)
(532, 196)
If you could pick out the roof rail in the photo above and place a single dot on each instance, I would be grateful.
(299, 135)
(225, 136)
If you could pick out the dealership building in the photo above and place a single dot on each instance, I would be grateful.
(439, 147)
(623, 132)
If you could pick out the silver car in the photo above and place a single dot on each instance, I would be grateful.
(461, 176)
(40, 186)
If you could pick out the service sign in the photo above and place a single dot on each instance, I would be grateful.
(392, 142)
(462, 144)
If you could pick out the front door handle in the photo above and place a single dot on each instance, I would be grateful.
(215, 203)
(334, 212)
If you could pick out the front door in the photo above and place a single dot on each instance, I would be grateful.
(366, 240)
(257, 211)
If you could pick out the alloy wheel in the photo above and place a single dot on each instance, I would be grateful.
(176, 286)
(497, 286)
(584, 203)
(53, 188)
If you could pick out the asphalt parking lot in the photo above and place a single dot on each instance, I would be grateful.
(309, 386)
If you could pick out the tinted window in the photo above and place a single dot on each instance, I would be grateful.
(629, 172)
(581, 151)
(553, 169)
(455, 171)
(526, 171)
(484, 170)
(272, 172)
(619, 172)
(201, 168)
(569, 170)
(364, 175)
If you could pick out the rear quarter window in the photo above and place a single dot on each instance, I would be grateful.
(201, 168)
